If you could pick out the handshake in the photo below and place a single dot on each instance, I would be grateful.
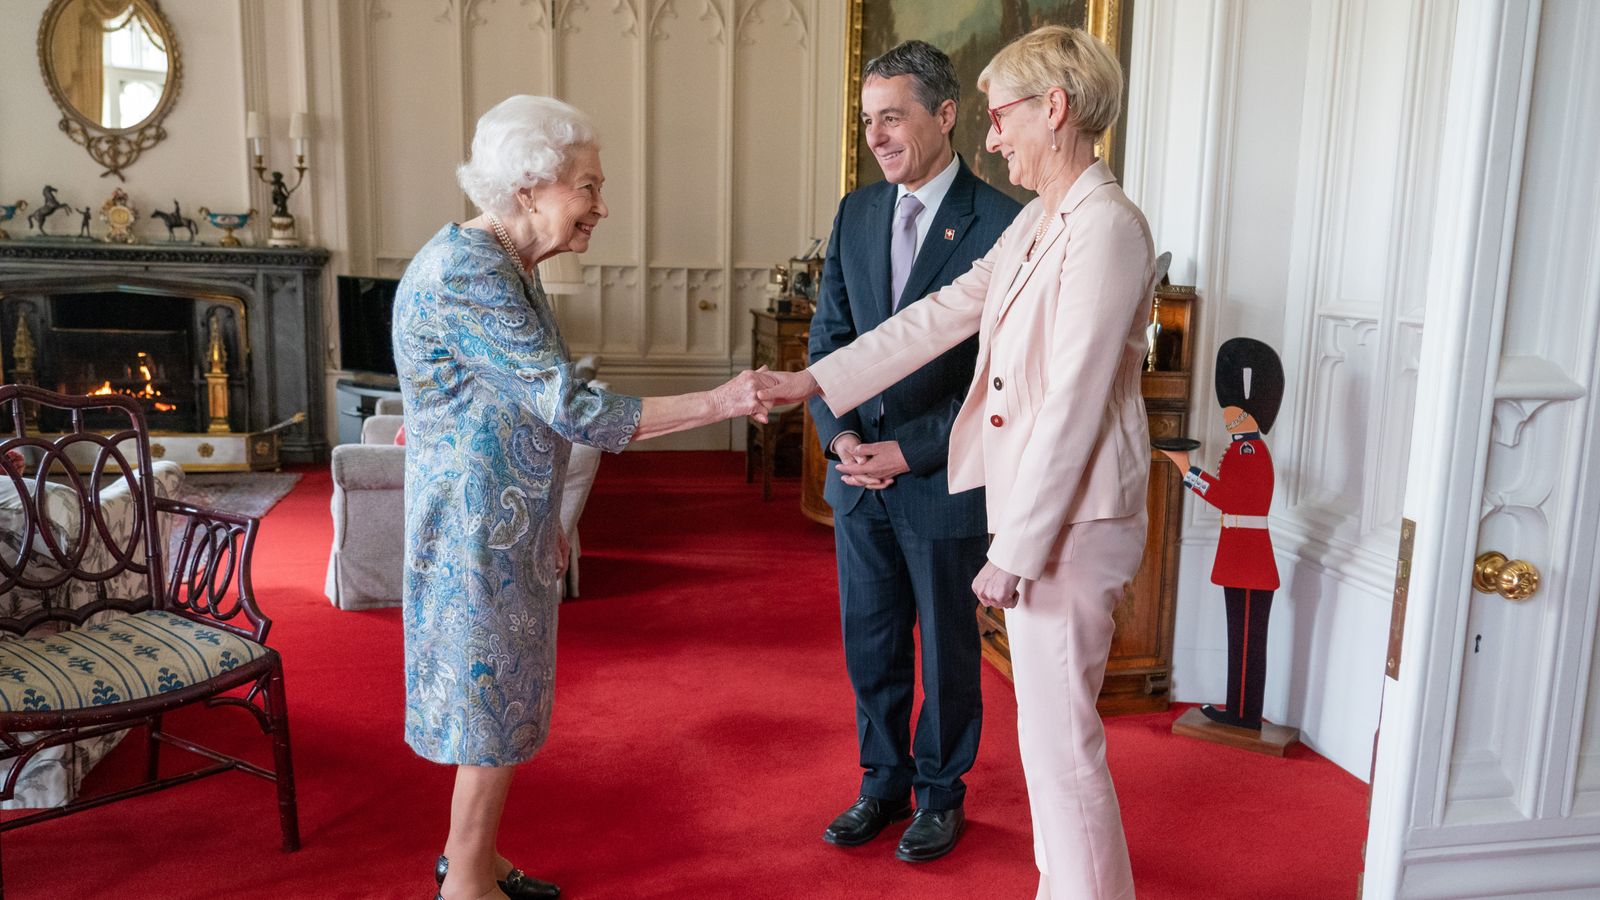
(755, 393)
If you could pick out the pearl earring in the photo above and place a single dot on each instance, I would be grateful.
(1053, 140)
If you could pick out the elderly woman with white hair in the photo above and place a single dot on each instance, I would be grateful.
(492, 408)
(1053, 426)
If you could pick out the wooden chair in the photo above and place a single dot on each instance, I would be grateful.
(88, 663)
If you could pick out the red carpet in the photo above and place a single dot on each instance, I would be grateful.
(703, 736)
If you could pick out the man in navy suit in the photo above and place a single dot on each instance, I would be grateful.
(908, 550)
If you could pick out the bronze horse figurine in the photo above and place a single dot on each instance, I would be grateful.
(51, 206)
(175, 220)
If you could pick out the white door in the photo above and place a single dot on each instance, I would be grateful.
(1487, 774)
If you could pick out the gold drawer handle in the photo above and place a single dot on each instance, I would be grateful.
(1512, 579)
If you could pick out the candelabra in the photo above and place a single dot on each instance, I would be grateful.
(283, 233)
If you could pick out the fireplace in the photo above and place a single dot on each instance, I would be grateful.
(165, 346)
(221, 346)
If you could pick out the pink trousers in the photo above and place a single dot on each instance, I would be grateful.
(1060, 635)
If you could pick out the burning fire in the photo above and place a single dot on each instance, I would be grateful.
(147, 392)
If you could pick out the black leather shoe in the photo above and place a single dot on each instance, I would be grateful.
(932, 834)
(1227, 718)
(864, 820)
(518, 885)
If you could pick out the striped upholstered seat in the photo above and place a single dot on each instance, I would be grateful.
(125, 658)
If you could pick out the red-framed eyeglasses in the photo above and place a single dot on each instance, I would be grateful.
(994, 111)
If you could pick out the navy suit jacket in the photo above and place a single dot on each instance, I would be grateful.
(918, 411)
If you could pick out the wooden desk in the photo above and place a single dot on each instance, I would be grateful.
(1139, 671)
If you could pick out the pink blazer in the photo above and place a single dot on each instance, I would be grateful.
(1054, 424)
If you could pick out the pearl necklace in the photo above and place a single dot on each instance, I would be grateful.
(504, 237)
(1038, 234)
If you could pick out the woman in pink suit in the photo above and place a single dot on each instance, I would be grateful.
(1053, 425)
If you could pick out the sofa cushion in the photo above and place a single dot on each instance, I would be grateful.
(128, 657)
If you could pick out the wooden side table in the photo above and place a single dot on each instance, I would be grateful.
(813, 469)
(778, 341)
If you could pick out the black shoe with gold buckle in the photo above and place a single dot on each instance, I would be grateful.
(518, 885)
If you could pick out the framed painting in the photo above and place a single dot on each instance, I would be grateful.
(971, 32)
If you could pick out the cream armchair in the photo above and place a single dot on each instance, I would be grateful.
(368, 558)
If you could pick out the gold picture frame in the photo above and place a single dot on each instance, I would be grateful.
(1107, 20)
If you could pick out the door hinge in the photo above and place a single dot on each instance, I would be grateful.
(1402, 587)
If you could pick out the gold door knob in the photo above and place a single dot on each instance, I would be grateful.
(707, 304)
(1512, 579)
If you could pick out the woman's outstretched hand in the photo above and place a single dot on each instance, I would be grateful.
(739, 396)
(996, 587)
(789, 387)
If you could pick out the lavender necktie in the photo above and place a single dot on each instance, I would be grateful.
(903, 246)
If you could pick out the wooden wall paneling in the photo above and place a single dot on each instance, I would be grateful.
(686, 135)
(705, 304)
(414, 92)
(581, 314)
(1341, 384)
(1351, 329)
(620, 299)
(749, 293)
(600, 68)
(506, 51)
(772, 197)
(665, 302)
(688, 144)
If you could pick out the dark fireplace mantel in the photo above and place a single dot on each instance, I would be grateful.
(280, 290)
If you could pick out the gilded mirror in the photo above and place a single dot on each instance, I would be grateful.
(112, 67)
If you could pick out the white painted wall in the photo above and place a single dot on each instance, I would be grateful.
(1282, 150)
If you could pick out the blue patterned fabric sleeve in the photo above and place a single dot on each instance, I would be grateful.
(514, 346)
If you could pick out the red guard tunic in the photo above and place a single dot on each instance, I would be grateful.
(1242, 491)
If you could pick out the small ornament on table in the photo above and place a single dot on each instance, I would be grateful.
(51, 206)
(175, 220)
(119, 216)
(228, 222)
(778, 290)
(1152, 332)
(83, 230)
(7, 210)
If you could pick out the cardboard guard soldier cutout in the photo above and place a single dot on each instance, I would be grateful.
(1249, 390)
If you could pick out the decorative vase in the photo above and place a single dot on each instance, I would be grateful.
(7, 210)
(227, 222)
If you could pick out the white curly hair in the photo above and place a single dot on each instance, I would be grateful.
(521, 142)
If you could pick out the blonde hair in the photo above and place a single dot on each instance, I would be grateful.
(522, 142)
(1068, 58)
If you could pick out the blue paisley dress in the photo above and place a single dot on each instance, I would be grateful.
(491, 409)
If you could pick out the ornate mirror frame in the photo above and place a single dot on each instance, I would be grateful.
(113, 148)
